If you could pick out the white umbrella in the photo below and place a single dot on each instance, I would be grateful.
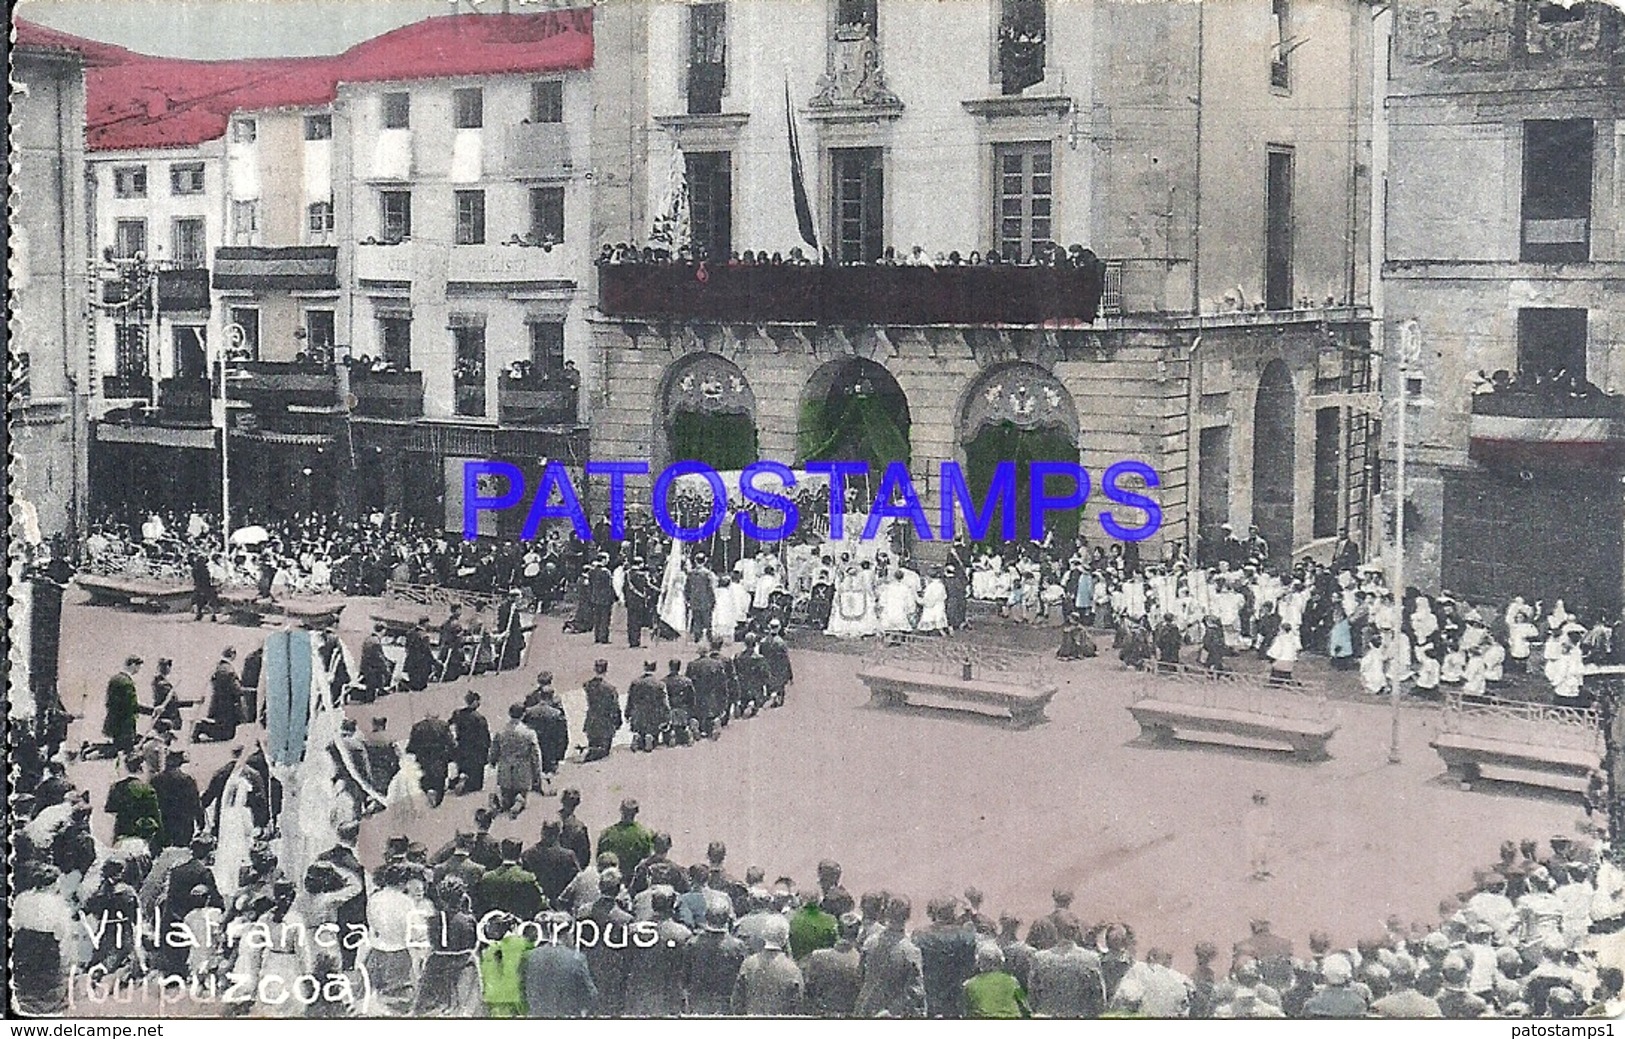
(255, 535)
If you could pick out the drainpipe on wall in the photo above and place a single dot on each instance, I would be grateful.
(1193, 439)
(1196, 225)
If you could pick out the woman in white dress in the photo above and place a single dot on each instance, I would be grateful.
(896, 605)
(724, 613)
(934, 605)
(235, 836)
(1373, 666)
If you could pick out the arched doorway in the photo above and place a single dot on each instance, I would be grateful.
(853, 410)
(1274, 452)
(1018, 413)
(708, 413)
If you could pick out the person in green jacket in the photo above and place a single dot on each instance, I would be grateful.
(992, 993)
(628, 840)
(810, 929)
(133, 804)
(123, 705)
(502, 976)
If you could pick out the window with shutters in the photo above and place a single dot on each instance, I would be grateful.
(186, 178)
(394, 216)
(546, 347)
(319, 223)
(707, 57)
(245, 222)
(130, 182)
(547, 101)
(710, 192)
(319, 334)
(397, 110)
(858, 204)
(468, 108)
(547, 215)
(1557, 164)
(244, 131)
(189, 249)
(470, 217)
(318, 128)
(1026, 198)
(129, 238)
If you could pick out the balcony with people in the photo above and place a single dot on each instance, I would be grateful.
(528, 395)
(1546, 418)
(381, 389)
(1052, 285)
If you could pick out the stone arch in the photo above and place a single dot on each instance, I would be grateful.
(1275, 420)
(853, 409)
(706, 412)
(1019, 412)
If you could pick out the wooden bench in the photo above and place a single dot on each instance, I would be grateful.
(1161, 721)
(896, 685)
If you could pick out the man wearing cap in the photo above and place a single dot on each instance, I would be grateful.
(628, 840)
(647, 710)
(517, 757)
(769, 983)
(179, 803)
(639, 594)
(123, 705)
(712, 964)
(473, 735)
(603, 712)
(776, 661)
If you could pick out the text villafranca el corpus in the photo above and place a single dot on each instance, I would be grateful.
(895, 498)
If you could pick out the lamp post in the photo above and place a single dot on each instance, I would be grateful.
(1410, 349)
(235, 336)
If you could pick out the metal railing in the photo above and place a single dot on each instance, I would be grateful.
(437, 595)
(1195, 686)
(1534, 724)
(946, 655)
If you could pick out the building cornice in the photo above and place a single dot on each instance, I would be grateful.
(1018, 107)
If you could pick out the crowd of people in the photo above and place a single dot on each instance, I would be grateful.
(277, 923)
(1043, 254)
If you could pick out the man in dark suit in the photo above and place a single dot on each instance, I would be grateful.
(434, 747)
(553, 864)
(557, 982)
(511, 631)
(451, 645)
(473, 735)
(699, 592)
(179, 803)
(603, 712)
(710, 677)
(776, 657)
(600, 598)
(638, 592)
(375, 666)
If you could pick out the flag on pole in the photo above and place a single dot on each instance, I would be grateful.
(673, 229)
(798, 179)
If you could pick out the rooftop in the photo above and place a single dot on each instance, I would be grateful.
(140, 101)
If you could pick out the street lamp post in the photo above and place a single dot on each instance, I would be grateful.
(235, 336)
(1410, 348)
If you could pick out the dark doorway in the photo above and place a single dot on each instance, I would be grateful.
(1274, 469)
(1278, 231)
(859, 204)
(854, 410)
(1213, 482)
(710, 189)
(1328, 458)
(1004, 441)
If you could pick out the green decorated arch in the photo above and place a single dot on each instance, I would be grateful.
(708, 412)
